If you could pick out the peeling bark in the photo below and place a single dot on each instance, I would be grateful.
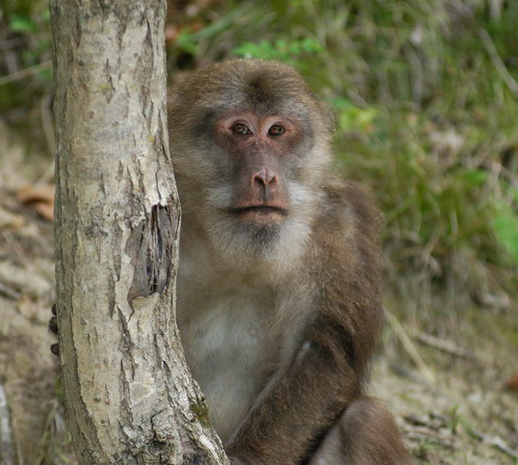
(129, 394)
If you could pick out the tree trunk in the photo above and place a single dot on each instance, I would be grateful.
(130, 397)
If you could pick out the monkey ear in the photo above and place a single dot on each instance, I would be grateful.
(176, 81)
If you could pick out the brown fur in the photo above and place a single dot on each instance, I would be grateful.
(279, 312)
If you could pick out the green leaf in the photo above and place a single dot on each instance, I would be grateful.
(281, 49)
(186, 42)
(19, 23)
(476, 178)
(351, 117)
(505, 225)
(311, 45)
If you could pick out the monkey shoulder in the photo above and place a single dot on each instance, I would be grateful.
(348, 222)
(345, 251)
(344, 270)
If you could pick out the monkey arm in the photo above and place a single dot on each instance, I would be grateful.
(303, 400)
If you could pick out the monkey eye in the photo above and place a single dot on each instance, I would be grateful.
(241, 129)
(276, 130)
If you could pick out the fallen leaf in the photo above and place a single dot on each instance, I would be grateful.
(45, 210)
(512, 382)
(40, 198)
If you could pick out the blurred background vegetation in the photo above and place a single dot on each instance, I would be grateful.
(425, 95)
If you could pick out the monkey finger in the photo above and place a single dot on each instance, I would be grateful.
(54, 348)
(53, 325)
(53, 309)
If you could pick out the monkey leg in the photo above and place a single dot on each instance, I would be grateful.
(366, 434)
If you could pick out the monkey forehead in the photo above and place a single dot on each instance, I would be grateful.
(264, 87)
(269, 87)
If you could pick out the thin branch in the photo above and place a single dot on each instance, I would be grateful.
(495, 441)
(10, 294)
(445, 346)
(25, 73)
(417, 432)
(498, 62)
(410, 348)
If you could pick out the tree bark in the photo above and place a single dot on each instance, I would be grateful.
(130, 397)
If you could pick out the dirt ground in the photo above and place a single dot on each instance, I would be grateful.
(454, 400)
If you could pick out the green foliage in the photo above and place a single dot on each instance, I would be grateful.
(189, 42)
(505, 225)
(351, 117)
(291, 52)
(28, 33)
(33, 27)
(18, 23)
(454, 419)
(186, 42)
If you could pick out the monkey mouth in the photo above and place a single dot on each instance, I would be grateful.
(261, 213)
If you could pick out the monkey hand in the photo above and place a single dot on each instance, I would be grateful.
(53, 327)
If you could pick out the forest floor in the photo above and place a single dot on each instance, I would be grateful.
(450, 398)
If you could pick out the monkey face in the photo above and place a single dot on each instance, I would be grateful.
(257, 146)
(250, 148)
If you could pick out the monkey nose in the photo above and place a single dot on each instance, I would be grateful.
(264, 177)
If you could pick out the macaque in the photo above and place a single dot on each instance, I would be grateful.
(278, 288)
(279, 282)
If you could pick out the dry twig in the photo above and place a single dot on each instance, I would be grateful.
(410, 348)
(417, 432)
(445, 346)
(10, 294)
(24, 73)
(495, 441)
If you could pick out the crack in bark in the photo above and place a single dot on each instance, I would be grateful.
(150, 248)
(108, 89)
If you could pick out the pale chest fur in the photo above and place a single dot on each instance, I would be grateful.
(223, 331)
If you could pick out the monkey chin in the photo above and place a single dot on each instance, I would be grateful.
(262, 244)
(261, 215)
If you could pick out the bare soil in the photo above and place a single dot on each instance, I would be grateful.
(453, 406)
